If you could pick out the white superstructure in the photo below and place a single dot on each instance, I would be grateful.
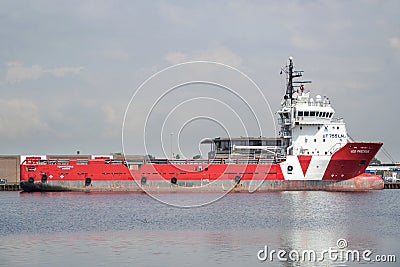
(307, 124)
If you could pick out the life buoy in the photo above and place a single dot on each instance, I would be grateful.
(290, 169)
(143, 180)
(174, 180)
(237, 179)
(44, 178)
(31, 180)
(88, 181)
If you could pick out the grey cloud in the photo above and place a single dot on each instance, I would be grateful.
(17, 72)
(217, 54)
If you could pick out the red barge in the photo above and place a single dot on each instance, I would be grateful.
(312, 152)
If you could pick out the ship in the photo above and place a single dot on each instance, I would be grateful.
(312, 151)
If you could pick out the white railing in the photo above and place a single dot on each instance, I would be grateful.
(334, 148)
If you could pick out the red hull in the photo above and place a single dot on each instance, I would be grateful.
(347, 163)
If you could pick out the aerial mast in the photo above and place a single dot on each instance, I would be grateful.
(286, 113)
(291, 75)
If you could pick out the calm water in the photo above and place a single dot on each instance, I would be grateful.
(66, 229)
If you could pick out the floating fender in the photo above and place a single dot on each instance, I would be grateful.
(31, 180)
(88, 181)
(44, 178)
(174, 180)
(237, 179)
(143, 181)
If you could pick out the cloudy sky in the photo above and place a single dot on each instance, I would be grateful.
(68, 70)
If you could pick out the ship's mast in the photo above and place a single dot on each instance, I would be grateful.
(286, 112)
(291, 75)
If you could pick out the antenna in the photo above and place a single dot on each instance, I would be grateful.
(291, 75)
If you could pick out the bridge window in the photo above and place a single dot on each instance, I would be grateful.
(312, 113)
(255, 143)
(300, 113)
(306, 113)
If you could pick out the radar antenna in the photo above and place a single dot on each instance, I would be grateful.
(292, 74)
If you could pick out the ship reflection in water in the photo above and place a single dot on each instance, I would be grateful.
(64, 229)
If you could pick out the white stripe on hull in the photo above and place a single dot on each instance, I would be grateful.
(315, 170)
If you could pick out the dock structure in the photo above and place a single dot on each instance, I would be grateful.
(10, 187)
(392, 185)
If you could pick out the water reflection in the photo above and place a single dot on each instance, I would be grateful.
(63, 229)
